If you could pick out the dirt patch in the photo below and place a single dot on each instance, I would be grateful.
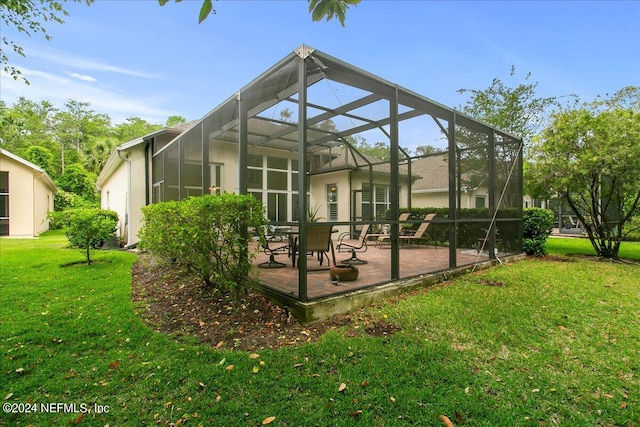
(171, 301)
(551, 258)
(494, 283)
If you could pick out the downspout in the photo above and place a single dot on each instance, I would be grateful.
(34, 209)
(128, 188)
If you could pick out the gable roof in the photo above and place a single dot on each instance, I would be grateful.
(39, 172)
(433, 172)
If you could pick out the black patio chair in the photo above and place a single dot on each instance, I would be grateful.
(273, 245)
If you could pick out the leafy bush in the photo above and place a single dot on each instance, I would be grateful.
(88, 229)
(63, 202)
(632, 230)
(76, 179)
(537, 225)
(207, 235)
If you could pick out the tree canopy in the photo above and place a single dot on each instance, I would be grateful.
(319, 9)
(29, 17)
(590, 156)
(517, 110)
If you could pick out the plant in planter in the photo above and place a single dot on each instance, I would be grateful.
(312, 214)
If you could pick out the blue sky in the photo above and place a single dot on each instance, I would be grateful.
(135, 58)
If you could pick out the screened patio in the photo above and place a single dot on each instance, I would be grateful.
(320, 142)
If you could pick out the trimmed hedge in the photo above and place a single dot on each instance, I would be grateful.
(468, 232)
(206, 235)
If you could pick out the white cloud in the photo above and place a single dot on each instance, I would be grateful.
(59, 89)
(83, 63)
(82, 77)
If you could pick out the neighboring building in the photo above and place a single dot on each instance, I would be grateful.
(432, 188)
(26, 196)
(123, 181)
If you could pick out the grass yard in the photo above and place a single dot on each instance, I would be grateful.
(552, 341)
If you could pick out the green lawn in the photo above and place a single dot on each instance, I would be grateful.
(533, 343)
(582, 246)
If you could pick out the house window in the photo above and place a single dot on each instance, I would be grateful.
(481, 201)
(4, 203)
(332, 202)
(274, 181)
(381, 203)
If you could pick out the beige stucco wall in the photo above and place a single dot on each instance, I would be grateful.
(30, 198)
(440, 199)
(113, 196)
(43, 204)
(138, 194)
(430, 200)
(119, 187)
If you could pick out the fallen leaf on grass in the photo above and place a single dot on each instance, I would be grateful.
(230, 367)
(268, 420)
(447, 422)
(254, 356)
(623, 405)
(342, 387)
(255, 369)
(114, 365)
(459, 417)
(79, 419)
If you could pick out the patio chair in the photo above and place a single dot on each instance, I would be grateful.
(318, 240)
(386, 237)
(273, 245)
(420, 234)
(353, 242)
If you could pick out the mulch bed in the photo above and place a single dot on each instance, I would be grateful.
(171, 301)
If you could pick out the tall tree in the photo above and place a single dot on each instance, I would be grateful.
(42, 157)
(590, 156)
(517, 110)
(29, 17)
(426, 150)
(175, 120)
(26, 123)
(96, 156)
(77, 129)
(77, 180)
(134, 127)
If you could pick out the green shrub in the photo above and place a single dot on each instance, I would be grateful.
(88, 229)
(63, 202)
(632, 230)
(207, 235)
(537, 225)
